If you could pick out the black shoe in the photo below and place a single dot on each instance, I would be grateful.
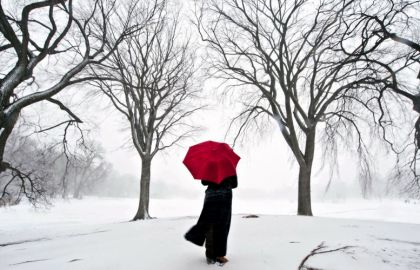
(210, 260)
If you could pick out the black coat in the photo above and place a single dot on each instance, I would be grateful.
(213, 225)
(227, 183)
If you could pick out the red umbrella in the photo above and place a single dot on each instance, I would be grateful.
(211, 161)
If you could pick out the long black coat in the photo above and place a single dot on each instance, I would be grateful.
(213, 225)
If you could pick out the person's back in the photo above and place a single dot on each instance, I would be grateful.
(213, 224)
(230, 182)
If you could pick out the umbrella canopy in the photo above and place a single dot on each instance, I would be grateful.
(211, 161)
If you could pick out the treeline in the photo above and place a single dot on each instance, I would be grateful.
(49, 171)
(52, 173)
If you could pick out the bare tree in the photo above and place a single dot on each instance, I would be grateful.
(153, 87)
(89, 169)
(31, 176)
(285, 58)
(392, 25)
(44, 47)
(396, 20)
(41, 162)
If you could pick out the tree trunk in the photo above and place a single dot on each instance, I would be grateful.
(304, 188)
(79, 181)
(7, 123)
(64, 182)
(304, 192)
(143, 210)
(77, 194)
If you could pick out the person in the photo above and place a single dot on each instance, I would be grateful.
(213, 225)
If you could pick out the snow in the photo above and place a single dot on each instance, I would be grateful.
(94, 233)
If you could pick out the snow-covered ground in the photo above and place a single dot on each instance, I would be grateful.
(94, 234)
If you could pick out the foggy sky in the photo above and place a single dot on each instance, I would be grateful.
(267, 169)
